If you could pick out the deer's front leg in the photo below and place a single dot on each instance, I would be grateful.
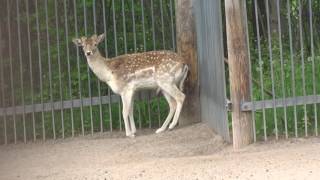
(126, 103)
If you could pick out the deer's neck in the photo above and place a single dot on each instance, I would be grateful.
(98, 65)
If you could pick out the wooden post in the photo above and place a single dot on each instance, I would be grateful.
(239, 72)
(187, 47)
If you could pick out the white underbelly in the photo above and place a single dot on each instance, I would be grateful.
(145, 83)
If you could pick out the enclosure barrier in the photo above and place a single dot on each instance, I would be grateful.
(47, 89)
(273, 78)
(272, 68)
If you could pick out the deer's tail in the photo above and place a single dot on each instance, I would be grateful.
(181, 83)
(184, 76)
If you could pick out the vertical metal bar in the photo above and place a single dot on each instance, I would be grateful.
(162, 26)
(3, 94)
(124, 32)
(303, 69)
(158, 111)
(134, 27)
(314, 81)
(114, 29)
(106, 52)
(105, 27)
(139, 112)
(31, 70)
(282, 71)
(135, 50)
(152, 28)
(144, 49)
(11, 74)
(88, 69)
(99, 83)
(21, 74)
(59, 67)
(124, 27)
(271, 70)
(78, 67)
(260, 69)
(154, 48)
(68, 63)
(292, 67)
(250, 73)
(116, 52)
(149, 110)
(40, 71)
(110, 110)
(143, 26)
(172, 27)
(49, 66)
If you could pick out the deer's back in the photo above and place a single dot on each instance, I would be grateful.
(131, 63)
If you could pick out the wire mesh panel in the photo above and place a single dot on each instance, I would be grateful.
(284, 67)
(47, 89)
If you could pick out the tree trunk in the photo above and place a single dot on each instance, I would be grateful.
(187, 48)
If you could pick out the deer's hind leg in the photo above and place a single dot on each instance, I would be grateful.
(172, 105)
(179, 97)
(127, 103)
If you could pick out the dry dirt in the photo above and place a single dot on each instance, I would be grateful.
(193, 152)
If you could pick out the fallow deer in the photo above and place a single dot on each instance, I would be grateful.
(125, 74)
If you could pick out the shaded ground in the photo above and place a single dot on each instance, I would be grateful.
(193, 152)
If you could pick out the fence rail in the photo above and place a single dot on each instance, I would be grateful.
(283, 102)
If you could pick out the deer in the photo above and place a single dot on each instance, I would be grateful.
(164, 71)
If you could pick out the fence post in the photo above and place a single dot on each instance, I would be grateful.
(187, 48)
(239, 72)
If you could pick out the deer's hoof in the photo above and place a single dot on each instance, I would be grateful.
(160, 130)
(131, 135)
(172, 126)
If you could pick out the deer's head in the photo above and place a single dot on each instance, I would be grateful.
(89, 45)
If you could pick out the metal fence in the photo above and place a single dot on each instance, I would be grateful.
(48, 91)
(283, 41)
(46, 87)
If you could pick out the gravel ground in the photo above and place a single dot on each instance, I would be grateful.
(192, 152)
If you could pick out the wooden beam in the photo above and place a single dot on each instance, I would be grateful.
(238, 72)
(187, 48)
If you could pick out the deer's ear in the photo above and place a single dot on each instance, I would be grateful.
(77, 42)
(100, 38)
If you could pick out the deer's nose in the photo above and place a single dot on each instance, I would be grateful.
(88, 53)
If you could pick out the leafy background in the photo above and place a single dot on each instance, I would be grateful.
(47, 27)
